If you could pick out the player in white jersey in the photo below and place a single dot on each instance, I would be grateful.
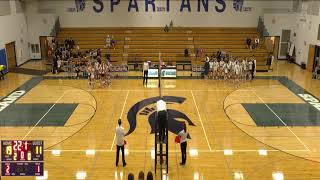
(215, 69)
(244, 69)
(232, 71)
(211, 69)
(250, 64)
(221, 70)
(237, 70)
(229, 67)
(226, 70)
(91, 75)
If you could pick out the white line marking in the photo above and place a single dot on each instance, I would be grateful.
(44, 115)
(204, 131)
(307, 148)
(178, 151)
(173, 90)
(124, 105)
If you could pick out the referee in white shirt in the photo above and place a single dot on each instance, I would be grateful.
(120, 143)
(162, 119)
(145, 72)
(183, 144)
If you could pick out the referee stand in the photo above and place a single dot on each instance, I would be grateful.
(161, 149)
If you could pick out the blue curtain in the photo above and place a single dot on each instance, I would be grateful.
(3, 59)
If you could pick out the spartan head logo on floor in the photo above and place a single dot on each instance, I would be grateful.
(149, 109)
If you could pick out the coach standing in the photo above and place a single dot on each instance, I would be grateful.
(120, 143)
(183, 144)
(145, 72)
(254, 67)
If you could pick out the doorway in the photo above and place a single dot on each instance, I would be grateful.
(11, 55)
(276, 47)
(44, 46)
(272, 45)
(284, 44)
(313, 57)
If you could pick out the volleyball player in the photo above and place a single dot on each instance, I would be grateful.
(237, 71)
(229, 67)
(211, 69)
(226, 71)
(215, 69)
(244, 69)
(91, 76)
(108, 73)
(221, 70)
(102, 73)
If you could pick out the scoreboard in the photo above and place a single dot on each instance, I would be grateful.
(21, 158)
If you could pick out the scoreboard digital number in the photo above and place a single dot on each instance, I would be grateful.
(21, 158)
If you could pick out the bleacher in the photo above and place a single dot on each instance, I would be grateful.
(135, 45)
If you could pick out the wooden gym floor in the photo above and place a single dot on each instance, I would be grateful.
(258, 130)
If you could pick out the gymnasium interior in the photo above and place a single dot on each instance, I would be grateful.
(159, 89)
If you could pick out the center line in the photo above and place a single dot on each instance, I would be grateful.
(204, 131)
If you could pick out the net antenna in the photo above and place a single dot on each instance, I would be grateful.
(159, 77)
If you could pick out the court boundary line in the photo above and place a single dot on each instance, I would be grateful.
(156, 89)
(45, 114)
(301, 142)
(124, 105)
(178, 151)
(204, 131)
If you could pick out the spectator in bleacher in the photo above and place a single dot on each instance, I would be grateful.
(108, 56)
(66, 42)
(130, 176)
(228, 55)
(145, 72)
(77, 50)
(186, 52)
(2, 68)
(219, 55)
(113, 42)
(248, 41)
(207, 58)
(199, 52)
(99, 59)
(149, 176)
(98, 52)
(54, 64)
(108, 41)
(223, 55)
(71, 43)
(256, 42)
(59, 63)
(141, 175)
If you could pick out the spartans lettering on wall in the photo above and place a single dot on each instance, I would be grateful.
(150, 5)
